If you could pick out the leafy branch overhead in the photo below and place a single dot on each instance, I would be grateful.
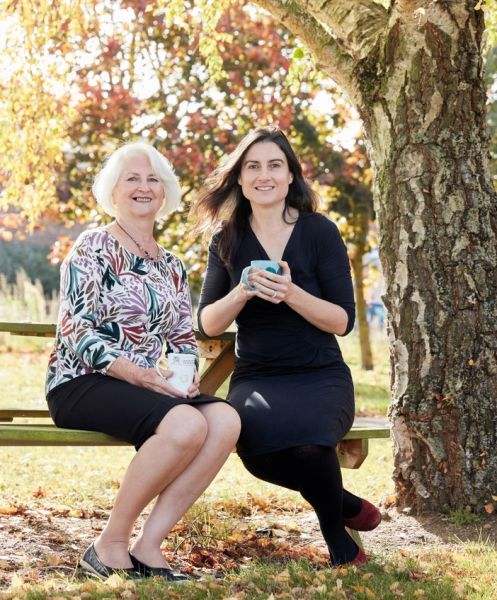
(139, 72)
(46, 57)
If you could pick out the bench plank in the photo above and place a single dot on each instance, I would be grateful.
(49, 435)
(358, 431)
(351, 452)
(35, 433)
(48, 330)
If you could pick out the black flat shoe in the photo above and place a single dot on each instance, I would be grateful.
(92, 564)
(168, 574)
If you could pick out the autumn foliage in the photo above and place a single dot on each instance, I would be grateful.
(134, 69)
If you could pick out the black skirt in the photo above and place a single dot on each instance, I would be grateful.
(293, 408)
(102, 403)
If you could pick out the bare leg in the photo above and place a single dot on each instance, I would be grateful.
(178, 438)
(223, 431)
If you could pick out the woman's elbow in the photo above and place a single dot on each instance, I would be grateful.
(204, 324)
(346, 324)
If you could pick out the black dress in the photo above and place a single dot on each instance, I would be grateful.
(290, 384)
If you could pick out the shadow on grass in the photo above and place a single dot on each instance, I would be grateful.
(459, 526)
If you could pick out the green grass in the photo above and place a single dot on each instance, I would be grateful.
(462, 517)
(423, 577)
(78, 482)
(371, 387)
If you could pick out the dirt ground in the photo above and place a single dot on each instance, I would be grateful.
(38, 544)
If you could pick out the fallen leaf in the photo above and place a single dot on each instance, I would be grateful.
(115, 581)
(39, 493)
(281, 533)
(16, 581)
(283, 576)
(53, 560)
(12, 510)
(395, 589)
(389, 501)
(489, 508)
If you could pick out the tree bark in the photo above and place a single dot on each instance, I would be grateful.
(420, 92)
(438, 223)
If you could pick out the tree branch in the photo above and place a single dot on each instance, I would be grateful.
(357, 24)
(330, 56)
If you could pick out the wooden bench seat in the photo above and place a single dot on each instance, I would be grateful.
(218, 355)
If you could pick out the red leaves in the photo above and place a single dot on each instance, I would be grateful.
(139, 6)
(39, 493)
(242, 547)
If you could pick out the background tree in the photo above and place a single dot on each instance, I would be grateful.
(353, 200)
(139, 75)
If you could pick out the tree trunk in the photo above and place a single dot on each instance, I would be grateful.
(425, 118)
(414, 72)
(362, 322)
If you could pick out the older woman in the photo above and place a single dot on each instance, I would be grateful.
(122, 298)
(290, 385)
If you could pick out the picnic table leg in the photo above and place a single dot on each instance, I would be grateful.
(352, 453)
(219, 363)
(355, 536)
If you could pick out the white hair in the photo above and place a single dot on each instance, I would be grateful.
(107, 177)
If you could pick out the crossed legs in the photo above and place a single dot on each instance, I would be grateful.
(175, 465)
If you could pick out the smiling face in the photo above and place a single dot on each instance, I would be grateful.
(265, 175)
(138, 192)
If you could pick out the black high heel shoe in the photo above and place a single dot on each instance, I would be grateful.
(168, 574)
(91, 563)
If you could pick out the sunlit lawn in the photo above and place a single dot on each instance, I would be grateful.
(77, 479)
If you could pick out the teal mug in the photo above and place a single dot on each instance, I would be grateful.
(266, 265)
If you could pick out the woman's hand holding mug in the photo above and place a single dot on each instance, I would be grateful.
(157, 381)
(271, 286)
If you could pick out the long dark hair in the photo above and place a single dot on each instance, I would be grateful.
(220, 203)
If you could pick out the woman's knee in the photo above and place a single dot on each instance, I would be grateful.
(183, 426)
(223, 418)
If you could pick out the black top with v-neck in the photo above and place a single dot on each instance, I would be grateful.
(273, 338)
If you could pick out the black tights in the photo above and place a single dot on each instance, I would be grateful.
(314, 471)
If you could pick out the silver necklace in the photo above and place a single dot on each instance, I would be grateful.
(138, 245)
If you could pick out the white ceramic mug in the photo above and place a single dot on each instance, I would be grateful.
(183, 366)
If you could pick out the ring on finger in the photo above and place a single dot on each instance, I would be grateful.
(275, 293)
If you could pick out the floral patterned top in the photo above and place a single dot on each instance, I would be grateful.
(114, 303)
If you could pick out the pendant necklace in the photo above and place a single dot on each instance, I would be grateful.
(138, 245)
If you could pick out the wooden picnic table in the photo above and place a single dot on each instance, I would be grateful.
(219, 360)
